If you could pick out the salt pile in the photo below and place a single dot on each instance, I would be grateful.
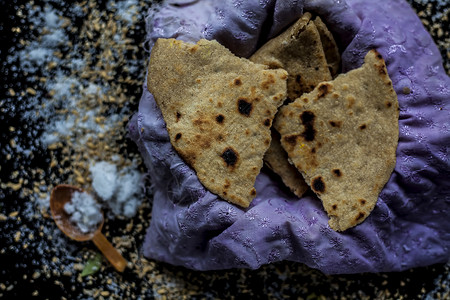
(84, 211)
(118, 189)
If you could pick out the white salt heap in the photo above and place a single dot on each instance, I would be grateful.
(84, 211)
(117, 189)
(104, 178)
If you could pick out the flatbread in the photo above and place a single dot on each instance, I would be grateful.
(276, 159)
(298, 50)
(343, 137)
(329, 46)
(218, 109)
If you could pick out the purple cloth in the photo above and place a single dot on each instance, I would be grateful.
(410, 225)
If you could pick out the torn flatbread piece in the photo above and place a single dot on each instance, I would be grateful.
(330, 47)
(343, 137)
(298, 50)
(276, 159)
(218, 109)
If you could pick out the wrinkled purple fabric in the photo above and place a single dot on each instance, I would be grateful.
(410, 225)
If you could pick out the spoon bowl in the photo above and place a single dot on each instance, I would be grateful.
(61, 195)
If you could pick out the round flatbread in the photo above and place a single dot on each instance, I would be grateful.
(218, 109)
(343, 137)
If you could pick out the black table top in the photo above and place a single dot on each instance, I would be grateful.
(91, 54)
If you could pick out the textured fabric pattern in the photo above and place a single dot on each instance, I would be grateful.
(409, 227)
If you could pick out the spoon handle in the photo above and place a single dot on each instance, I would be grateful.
(108, 250)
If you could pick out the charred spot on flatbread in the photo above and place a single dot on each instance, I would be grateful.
(324, 89)
(360, 216)
(230, 157)
(244, 106)
(337, 172)
(220, 118)
(269, 81)
(223, 105)
(307, 118)
(334, 123)
(360, 112)
(318, 185)
(291, 139)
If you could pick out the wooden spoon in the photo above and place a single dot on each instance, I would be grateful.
(62, 194)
